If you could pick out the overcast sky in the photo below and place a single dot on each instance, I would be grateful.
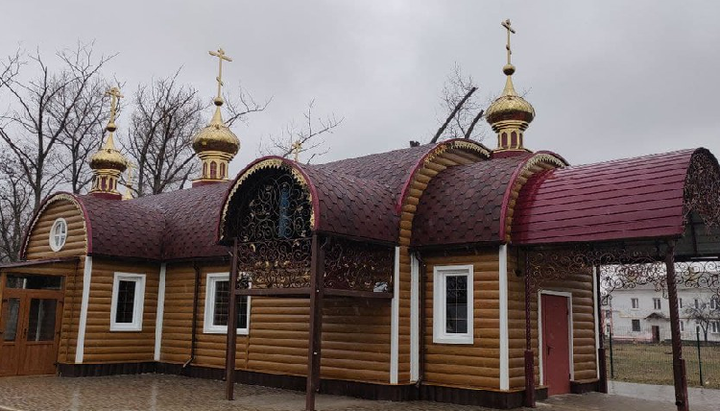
(608, 79)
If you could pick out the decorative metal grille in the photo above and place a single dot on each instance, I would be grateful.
(272, 225)
(360, 266)
(702, 189)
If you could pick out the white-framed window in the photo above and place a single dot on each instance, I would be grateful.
(657, 304)
(128, 300)
(635, 303)
(636, 325)
(713, 303)
(58, 234)
(217, 298)
(714, 327)
(453, 304)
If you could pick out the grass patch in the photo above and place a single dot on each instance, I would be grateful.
(652, 363)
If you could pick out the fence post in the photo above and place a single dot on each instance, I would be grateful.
(697, 332)
(612, 362)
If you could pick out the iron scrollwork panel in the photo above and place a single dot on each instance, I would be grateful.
(359, 266)
(273, 229)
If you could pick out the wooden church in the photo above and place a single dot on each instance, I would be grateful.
(399, 275)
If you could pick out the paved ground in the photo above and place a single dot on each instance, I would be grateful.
(166, 393)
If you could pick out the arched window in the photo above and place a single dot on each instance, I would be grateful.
(58, 234)
(222, 170)
(513, 139)
(204, 174)
(213, 170)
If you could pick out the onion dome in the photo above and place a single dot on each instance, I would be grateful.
(509, 115)
(509, 106)
(108, 157)
(216, 144)
(108, 163)
(216, 136)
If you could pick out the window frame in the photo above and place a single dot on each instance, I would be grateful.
(54, 245)
(635, 303)
(632, 325)
(138, 302)
(657, 304)
(440, 334)
(211, 280)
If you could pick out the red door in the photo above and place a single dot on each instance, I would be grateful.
(556, 346)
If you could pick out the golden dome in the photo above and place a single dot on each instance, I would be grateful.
(509, 106)
(216, 136)
(108, 157)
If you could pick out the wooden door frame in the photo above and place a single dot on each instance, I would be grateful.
(25, 296)
(541, 365)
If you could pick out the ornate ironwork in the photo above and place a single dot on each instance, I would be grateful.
(272, 225)
(360, 266)
(699, 274)
(702, 189)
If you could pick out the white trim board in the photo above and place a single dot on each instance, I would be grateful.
(568, 295)
(414, 318)
(82, 325)
(160, 312)
(504, 329)
(596, 309)
(394, 320)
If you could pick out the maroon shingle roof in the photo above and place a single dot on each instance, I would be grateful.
(463, 204)
(168, 226)
(359, 197)
(632, 198)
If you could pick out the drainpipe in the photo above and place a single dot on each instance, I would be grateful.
(193, 333)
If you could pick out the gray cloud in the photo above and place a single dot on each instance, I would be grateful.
(608, 79)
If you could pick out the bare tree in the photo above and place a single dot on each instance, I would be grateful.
(166, 115)
(704, 312)
(15, 202)
(459, 100)
(44, 112)
(307, 138)
(242, 103)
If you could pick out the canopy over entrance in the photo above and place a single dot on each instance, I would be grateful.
(618, 220)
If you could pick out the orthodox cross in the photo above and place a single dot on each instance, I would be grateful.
(509, 28)
(114, 94)
(296, 148)
(220, 54)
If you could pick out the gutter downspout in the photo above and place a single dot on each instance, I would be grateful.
(193, 334)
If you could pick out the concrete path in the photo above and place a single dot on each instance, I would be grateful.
(173, 393)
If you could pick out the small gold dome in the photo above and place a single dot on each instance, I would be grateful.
(216, 136)
(509, 106)
(108, 157)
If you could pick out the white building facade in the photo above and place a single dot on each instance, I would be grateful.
(642, 314)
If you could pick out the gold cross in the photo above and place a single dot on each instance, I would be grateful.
(220, 54)
(506, 24)
(114, 94)
(296, 148)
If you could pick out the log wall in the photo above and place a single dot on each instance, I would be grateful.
(103, 345)
(38, 244)
(356, 335)
(433, 165)
(459, 365)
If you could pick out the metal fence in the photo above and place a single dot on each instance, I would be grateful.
(633, 357)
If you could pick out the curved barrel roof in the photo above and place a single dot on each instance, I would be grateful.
(634, 198)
